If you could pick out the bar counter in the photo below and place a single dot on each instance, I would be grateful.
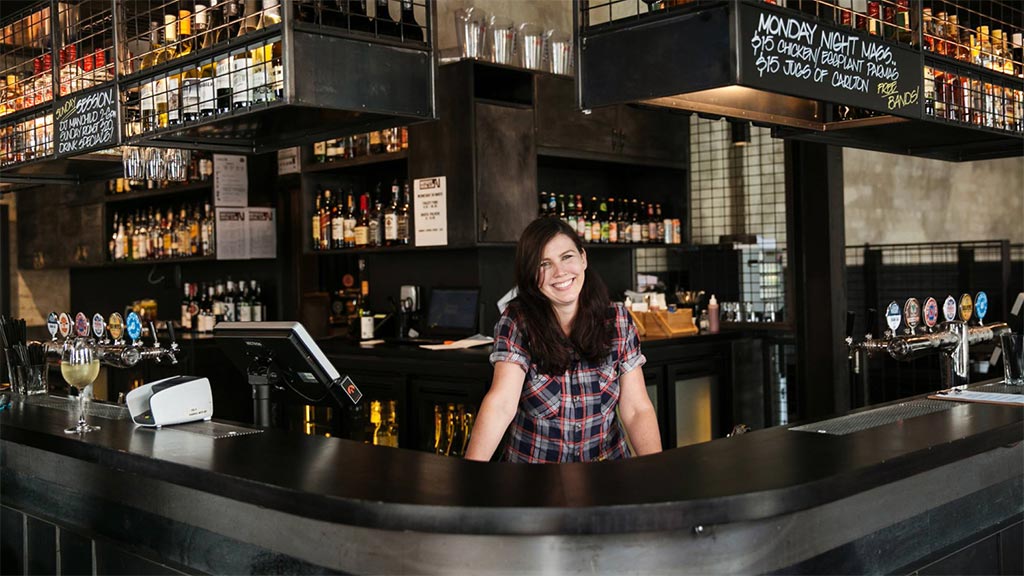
(890, 497)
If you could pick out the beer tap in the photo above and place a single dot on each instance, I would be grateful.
(156, 352)
(952, 338)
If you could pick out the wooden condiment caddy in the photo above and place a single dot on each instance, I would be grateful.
(664, 324)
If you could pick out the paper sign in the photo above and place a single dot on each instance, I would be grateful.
(230, 181)
(232, 243)
(288, 161)
(430, 211)
(262, 224)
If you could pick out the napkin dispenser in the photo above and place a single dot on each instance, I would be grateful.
(174, 400)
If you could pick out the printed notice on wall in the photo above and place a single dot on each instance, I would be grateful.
(230, 180)
(232, 240)
(288, 161)
(787, 54)
(262, 224)
(430, 211)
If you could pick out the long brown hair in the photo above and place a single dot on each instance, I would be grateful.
(591, 331)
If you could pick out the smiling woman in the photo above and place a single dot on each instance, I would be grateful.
(566, 382)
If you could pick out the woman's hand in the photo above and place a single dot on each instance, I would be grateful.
(496, 411)
(637, 413)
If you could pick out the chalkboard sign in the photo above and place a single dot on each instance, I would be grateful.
(785, 53)
(86, 122)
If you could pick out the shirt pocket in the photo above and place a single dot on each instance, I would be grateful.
(542, 396)
(609, 386)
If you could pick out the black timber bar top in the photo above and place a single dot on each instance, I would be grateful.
(757, 475)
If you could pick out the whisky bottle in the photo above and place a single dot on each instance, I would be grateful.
(376, 220)
(263, 56)
(410, 27)
(391, 217)
(337, 225)
(325, 222)
(375, 428)
(243, 74)
(404, 229)
(348, 225)
(362, 229)
(613, 223)
(391, 425)
(219, 31)
(259, 309)
(438, 431)
(189, 79)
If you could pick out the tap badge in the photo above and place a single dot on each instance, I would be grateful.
(892, 315)
(98, 326)
(116, 326)
(134, 326)
(81, 325)
(931, 312)
(912, 312)
(949, 309)
(65, 324)
(52, 324)
(980, 306)
(966, 307)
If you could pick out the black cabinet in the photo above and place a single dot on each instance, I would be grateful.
(506, 174)
(623, 133)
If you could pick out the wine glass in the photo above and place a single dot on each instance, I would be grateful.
(80, 365)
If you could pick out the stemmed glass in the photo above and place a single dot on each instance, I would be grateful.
(80, 365)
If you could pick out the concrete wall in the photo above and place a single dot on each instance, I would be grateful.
(896, 199)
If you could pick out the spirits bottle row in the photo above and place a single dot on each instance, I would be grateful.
(378, 142)
(158, 233)
(988, 47)
(26, 140)
(382, 427)
(961, 97)
(379, 219)
(203, 304)
(453, 427)
(354, 15)
(611, 221)
(240, 79)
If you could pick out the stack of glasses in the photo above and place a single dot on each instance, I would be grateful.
(26, 363)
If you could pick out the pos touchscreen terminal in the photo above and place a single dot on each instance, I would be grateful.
(282, 354)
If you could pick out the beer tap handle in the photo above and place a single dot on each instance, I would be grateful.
(152, 331)
(170, 333)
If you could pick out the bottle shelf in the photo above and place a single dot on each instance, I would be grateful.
(146, 195)
(158, 261)
(371, 159)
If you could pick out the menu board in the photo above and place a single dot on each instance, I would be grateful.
(86, 122)
(787, 54)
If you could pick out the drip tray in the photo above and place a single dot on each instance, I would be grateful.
(92, 409)
(872, 418)
(215, 430)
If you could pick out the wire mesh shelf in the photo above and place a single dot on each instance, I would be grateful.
(26, 63)
(26, 140)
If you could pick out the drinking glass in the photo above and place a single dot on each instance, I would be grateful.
(531, 46)
(134, 165)
(156, 168)
(470, 31)
(502, 40)
(80, 365)
(560, 58)
(1013, 358)
(177, 161)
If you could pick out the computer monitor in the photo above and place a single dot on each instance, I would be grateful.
(272, 352)
(453, 312)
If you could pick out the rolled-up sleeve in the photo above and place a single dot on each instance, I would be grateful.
(630, 356)
(509, 345)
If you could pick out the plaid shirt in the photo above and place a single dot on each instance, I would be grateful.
(567, 417)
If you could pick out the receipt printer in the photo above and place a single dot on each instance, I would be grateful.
(174, 400)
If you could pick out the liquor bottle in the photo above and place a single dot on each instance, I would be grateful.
(230, 301)
(244, 302)
(337, 225)
(358, 19)
(184, 233)
(638, 226)
(198, 97)
(391, 425)
(595, 220)
(660, 223)
(147, 100)
(904, 33)
(376, 220)
(612, 218)
(219, 32)
(386, 25)
(188, 79)
(362, 229)
(243, 74)
(277, 71)
(391, 217)
(438, 431)
(348, 224)
(570, 213)
(315, 226)
(320, 151)
(939, 24)
(262, 83)
(332, 150)
(186, 317)
(860, 14)
(404, 228)
(874, 19)
(259, 312)
(325, 222)
(208, 230)
(373, 429)
(957, 48)
(165, 88)
(410, 27)
(543, 210)
(113, 245)
(928, 28)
